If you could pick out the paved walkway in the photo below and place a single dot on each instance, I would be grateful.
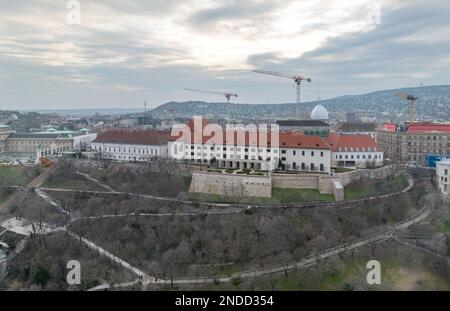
(96, 181)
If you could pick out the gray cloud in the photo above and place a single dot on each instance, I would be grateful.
(115, 58)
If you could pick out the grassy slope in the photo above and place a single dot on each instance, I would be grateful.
(278, 196)
(18, 175)
(359, 189)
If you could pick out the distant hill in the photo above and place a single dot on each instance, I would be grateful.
(88, 112)
(433, 102)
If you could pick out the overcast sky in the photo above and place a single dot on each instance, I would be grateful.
(124, 50)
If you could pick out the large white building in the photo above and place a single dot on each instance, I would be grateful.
(356, 151)
(252, 149)
(299, 152)
(131, 145)
(240, 148)
(443, 175)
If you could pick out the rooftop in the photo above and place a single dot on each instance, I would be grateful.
(301, 123)
(132, 137)
(428, 128)
(299, 140)
(352, 143)
(37, 136)
(356, 127)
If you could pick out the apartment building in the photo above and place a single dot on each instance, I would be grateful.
(5, 131)
(414, 142)
(358, 151)
(131, 145)
(443, 175)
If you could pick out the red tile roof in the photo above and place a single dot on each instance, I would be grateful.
(133, 137)
(390, 127)
(357, 142)
(300, 140)
(243, 137)
(428, 128)
(236, 137)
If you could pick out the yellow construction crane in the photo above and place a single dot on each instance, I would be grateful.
(411, 105)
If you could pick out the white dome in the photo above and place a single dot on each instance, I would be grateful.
(319, 113)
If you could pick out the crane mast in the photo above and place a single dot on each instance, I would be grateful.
(298, 79)
(411, 105)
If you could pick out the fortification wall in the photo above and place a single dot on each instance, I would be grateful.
(296, 181)
(231, 185)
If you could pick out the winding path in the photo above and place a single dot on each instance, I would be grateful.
(308, 261)
(341, 204)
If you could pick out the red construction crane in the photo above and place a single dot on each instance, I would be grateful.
(227, 95)
(411, 105)
(297, 79)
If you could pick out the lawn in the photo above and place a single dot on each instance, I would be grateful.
(279, 196)
(446, 225)
(342, 170)
(367, 188)
(18, 175)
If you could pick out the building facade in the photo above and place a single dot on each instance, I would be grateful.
(5, 131)
(355, 151)
(308, 127)
(30, 147)
(299, 152)
(131, 145)
(411, 144)
(443, 176)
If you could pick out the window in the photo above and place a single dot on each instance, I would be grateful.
(312, 153)
(312, 167)
(303, 166)
(283, 151)
(303, 153)
(294, 152)
(294, 165)
(321, 153)
(321, 167)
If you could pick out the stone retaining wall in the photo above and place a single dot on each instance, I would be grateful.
(325, 183)
(231, 185)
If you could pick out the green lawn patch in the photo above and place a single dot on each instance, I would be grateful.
(373, 187)
(18, 175)
(446, 225)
